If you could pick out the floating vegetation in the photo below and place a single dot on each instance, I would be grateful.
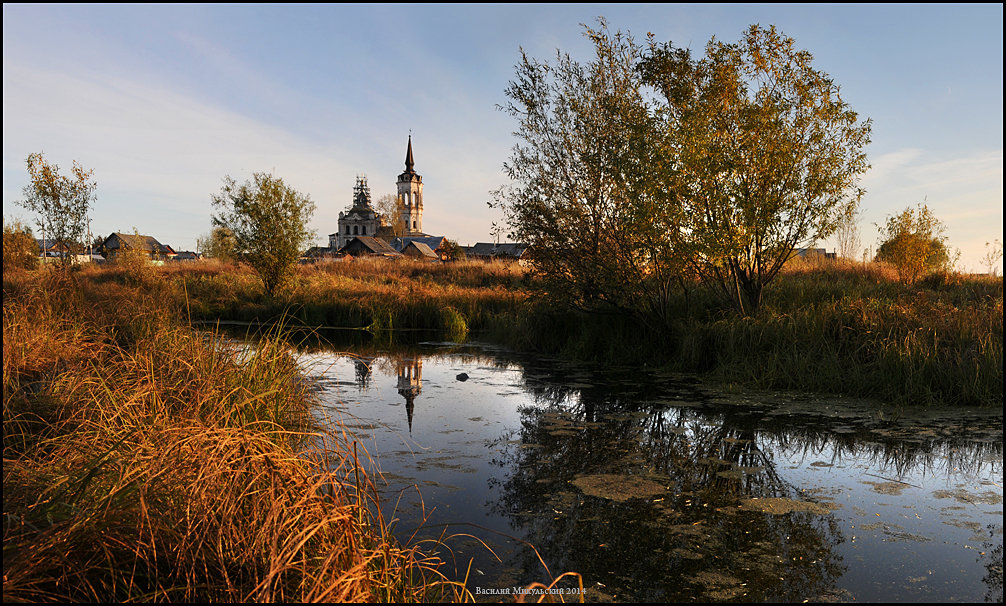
(618, 487)
(781, 506)
(963, 496)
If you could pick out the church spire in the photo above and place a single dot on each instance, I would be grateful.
(409, 163)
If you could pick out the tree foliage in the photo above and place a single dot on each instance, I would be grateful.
(268, 220)
(452, 250)
(766, 155)
(60, 202)
(587, 192)
(19, 246)
(392, 209)
(218, 244)
(642, 167)
(914, 242)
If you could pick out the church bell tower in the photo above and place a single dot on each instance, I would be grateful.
(410, 194)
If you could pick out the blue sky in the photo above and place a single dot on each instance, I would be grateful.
(164, 101)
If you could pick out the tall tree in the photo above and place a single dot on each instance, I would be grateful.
(587, 191)
(60, 202)
(767, 155)
(268, 220)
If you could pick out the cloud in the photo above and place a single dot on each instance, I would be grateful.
(152, 150)
(965, 192)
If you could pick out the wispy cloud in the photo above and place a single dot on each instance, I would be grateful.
(154, 151)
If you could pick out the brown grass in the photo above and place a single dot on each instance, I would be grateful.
(143, 461)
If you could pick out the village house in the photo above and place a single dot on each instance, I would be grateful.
(369, 246)
(489, 250)
(419, 250)
(119, 242)
(810, 253)
(57, 248)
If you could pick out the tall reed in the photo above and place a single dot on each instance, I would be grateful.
(146, 462)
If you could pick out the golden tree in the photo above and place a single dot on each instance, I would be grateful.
(913, 242)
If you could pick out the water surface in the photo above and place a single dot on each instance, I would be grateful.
(657, 488)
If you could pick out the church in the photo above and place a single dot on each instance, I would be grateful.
(363, 223)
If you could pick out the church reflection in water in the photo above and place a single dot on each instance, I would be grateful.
(410, 383)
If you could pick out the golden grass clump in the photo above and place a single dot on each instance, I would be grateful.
(146, 462)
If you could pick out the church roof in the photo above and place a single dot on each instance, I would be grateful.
(410, 173)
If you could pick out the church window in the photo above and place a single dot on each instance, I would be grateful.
(356, 230)
(347, 230)
(413, 225)
(364, 230)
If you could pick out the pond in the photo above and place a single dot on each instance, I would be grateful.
(655, 487)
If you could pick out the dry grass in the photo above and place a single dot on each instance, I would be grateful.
(146, 462)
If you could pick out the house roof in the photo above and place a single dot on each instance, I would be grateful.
(434, 242)
(369, 245)
(50, 244)
(138, 242)
(421, 248)
(489, 249)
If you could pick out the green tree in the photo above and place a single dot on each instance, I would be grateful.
(913, 241)
(19, 246)
(269, 222)
(766, 155)
(60, 202)
(218, 244)
(588, 192)
(452, 250)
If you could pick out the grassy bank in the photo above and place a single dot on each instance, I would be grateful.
(366, 293)
(144, 461)
(830, 326)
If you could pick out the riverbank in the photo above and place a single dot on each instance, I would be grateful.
(145, 461)
(832, 327)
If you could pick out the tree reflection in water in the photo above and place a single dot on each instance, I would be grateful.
(709, 454)
(693, 542)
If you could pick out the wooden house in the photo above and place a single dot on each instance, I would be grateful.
(119, 242)
(369, 246)
(420, 250)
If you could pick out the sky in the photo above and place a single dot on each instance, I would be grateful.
(164, 101)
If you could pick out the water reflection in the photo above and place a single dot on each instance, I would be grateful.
(690, 540)
(410, 383)
(657, 488)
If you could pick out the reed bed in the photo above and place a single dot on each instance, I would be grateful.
(825, 325)
(378, 294)
(146, 462)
